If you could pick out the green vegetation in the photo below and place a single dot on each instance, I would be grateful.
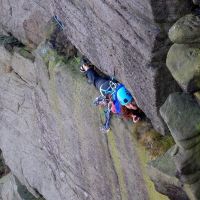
(149, 141)
(52, 59)
(117, 164)
(149, 144)
(26, 53)
(154, 143)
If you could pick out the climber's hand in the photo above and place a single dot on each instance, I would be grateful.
(135, 118)
(103, 129)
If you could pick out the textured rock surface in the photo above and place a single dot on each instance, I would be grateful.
(185, 69)
(196, 2)
(163, 173)
(50, 133)
(182, 114)
(3, 168)
(12, 189)
(186, 30)
(126, 39)
(197, 95)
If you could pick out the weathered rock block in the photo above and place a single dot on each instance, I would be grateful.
(186, 30)
(181, 112)
(163, 173)
(183, 62)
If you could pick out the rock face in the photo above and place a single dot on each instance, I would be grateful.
(12, 189)
(50, 133)
(126, 39)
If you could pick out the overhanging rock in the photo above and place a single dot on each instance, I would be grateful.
(126, 39)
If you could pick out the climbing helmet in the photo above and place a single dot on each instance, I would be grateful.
(124, 96)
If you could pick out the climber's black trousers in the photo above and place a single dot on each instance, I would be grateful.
(97, 80)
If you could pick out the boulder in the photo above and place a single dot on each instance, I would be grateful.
(186, 30)
(181, 112)
(185, 69)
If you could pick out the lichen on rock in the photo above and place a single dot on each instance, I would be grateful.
(186, 30)
(183, 62)
(182, 114)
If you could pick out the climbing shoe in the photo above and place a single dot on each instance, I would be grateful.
(104, 129)
(82, 69)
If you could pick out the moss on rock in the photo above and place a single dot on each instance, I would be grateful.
(154, 143)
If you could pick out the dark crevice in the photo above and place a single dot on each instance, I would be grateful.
(20, 77)
(4, 169)
(9, 42)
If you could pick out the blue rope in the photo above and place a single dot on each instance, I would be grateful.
(58, 21)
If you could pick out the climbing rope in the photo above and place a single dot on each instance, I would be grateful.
(58, 21)
(111, 89)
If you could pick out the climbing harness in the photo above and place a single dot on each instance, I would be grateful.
(104, 100)
(101, 100)
(110, 90)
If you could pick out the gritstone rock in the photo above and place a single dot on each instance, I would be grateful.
(12, 189)
(126, 39)
(182, 114)
(48, 121)
(186, 30)
(183, 62)
(163, 173)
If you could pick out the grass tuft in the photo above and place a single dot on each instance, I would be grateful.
(155, 143)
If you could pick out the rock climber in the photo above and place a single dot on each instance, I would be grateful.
(114, 95)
